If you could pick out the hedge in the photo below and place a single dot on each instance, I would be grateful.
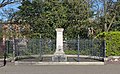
(112, 42)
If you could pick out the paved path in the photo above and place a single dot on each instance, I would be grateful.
(32, 69)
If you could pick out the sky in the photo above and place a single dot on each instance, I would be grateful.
(8, 7)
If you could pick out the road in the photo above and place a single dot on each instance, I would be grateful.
(32, 69)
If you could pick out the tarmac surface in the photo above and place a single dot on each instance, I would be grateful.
(63, 69)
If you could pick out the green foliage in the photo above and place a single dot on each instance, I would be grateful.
(45, 16)
(34, 36)
(112, 42)
(114, 10)
(73, 52)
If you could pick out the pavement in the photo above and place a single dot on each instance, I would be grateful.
(11, 68)
(61, 69)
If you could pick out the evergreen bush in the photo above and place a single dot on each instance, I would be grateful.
(112, 42)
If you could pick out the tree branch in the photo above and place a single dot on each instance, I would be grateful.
(111, 23)
(3, 1)
(6, 3)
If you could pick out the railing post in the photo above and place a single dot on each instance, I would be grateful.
(7, 46)
(104, 49)
(78, 48)
(40, 48)
(14, 50)
(5, 55)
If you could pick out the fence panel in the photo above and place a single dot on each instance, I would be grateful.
(86, 46)
(35, 48)
(30, 47)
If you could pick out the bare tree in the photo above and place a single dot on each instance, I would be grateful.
(6, 2)
(108, 12)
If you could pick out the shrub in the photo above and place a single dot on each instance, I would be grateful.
(72, 52)
(112, 42)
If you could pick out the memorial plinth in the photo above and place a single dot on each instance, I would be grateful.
(59, 55)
